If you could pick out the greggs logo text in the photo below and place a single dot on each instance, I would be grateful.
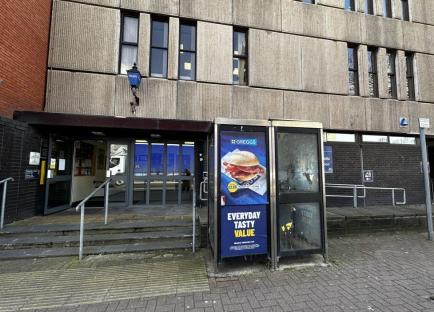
(253, 142)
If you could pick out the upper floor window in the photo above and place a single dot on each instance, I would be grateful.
(369, 7)
(240, 56)
(372, 71)
(350, 5)
(405, 10)
(387, 8)
(309, 1)
(187, 51)
(129, 42)
(353, 70)
(409, 59)
(159, 44)
(391, 73)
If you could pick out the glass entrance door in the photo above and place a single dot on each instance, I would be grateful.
(163, 173)
(299, 199)
(59, 175)
(118, 165)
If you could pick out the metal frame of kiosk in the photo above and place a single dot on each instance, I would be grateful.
(295, 196)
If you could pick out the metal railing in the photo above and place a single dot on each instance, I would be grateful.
(81, 206)
(355, 196)
(5, 189)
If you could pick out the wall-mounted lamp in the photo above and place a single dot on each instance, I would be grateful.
(134, 78)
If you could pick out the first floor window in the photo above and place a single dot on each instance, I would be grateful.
(129, 42)
(187, 51)
(372, 71)
(405, 10)
(239, 74)
(349, 5)
(391, 73)
(353, 70)
(159, 46)
(369, 7)
(387, 8)
(409, 59)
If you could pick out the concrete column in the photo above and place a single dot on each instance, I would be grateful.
(360, 5)
(172, 70)
(396, 9)
(401, 75)
(362, 55)
(144, 44)
(382, 73)
(378, 7)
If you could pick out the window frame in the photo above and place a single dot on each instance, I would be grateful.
(409, 75)
(405, 10)
(126, 43)
(355, 70)
(161, 19)
(374, 70)
(369, 7)
(387, 8)
(391, 76)
(352, 5)
(244, 57)
(194, 24)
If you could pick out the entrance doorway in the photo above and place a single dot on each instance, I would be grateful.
(163, 173)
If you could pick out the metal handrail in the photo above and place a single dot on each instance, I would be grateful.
(81, 206)
(5, 188)
(356, 187)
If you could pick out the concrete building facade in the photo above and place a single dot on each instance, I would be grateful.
(363, 68)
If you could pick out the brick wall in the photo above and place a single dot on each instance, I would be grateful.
(25, 196)
(393, 166)
(24, 40)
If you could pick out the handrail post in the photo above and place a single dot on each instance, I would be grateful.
(355, 196)
(393, 197)
(194, 217)
(106, 198)
(80, 254)
(5, 187)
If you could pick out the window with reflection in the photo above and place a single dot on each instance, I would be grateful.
(188, 159)
(349, 5)
(409, 60)
(391, 74)
(173, 159)
(159, 45)
(353, 70)
(157, 159)
(387, 8)
(129, 42)
(369, 7)
(240, 56)
(372, 72)
(405, 11)
(187, 51)
(141, 159)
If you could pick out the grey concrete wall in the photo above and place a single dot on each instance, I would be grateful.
(422, 11)
(216, 10)
(265, 14)
(84, 37)
(94, 94)
(144, 44)
(425, 77)
(214, 53)
(170, 7)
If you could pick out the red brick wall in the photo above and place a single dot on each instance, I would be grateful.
(24, 35)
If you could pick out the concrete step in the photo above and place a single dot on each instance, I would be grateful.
(39, 241)
(94, 228)
(172, 245)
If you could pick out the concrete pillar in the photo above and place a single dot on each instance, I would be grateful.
(378, 7)
(360, 5)
(172, 66)
(144, 44)
(382, 73)
(396, 9)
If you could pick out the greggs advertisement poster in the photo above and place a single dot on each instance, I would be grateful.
(243, 168)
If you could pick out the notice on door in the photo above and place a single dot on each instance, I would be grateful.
(243, 230)
(243, 168)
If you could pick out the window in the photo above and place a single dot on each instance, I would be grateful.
(129, 42)
(387, 8)
(349, 5)
(391, 73)
(340, 137)
(375, 138)
(405, 10)
(369, 7)
(372, 71)
(159, 43)
(309, 1)
(353, 70)
(239, 74)
(409, 59)
(187, 52)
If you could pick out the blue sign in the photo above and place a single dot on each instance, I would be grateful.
(243, 230)
(328, 159)
(403, 122)
(243, 158)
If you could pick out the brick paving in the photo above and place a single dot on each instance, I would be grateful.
(376, 272)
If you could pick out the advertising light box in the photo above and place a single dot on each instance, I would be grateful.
(243, 193)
